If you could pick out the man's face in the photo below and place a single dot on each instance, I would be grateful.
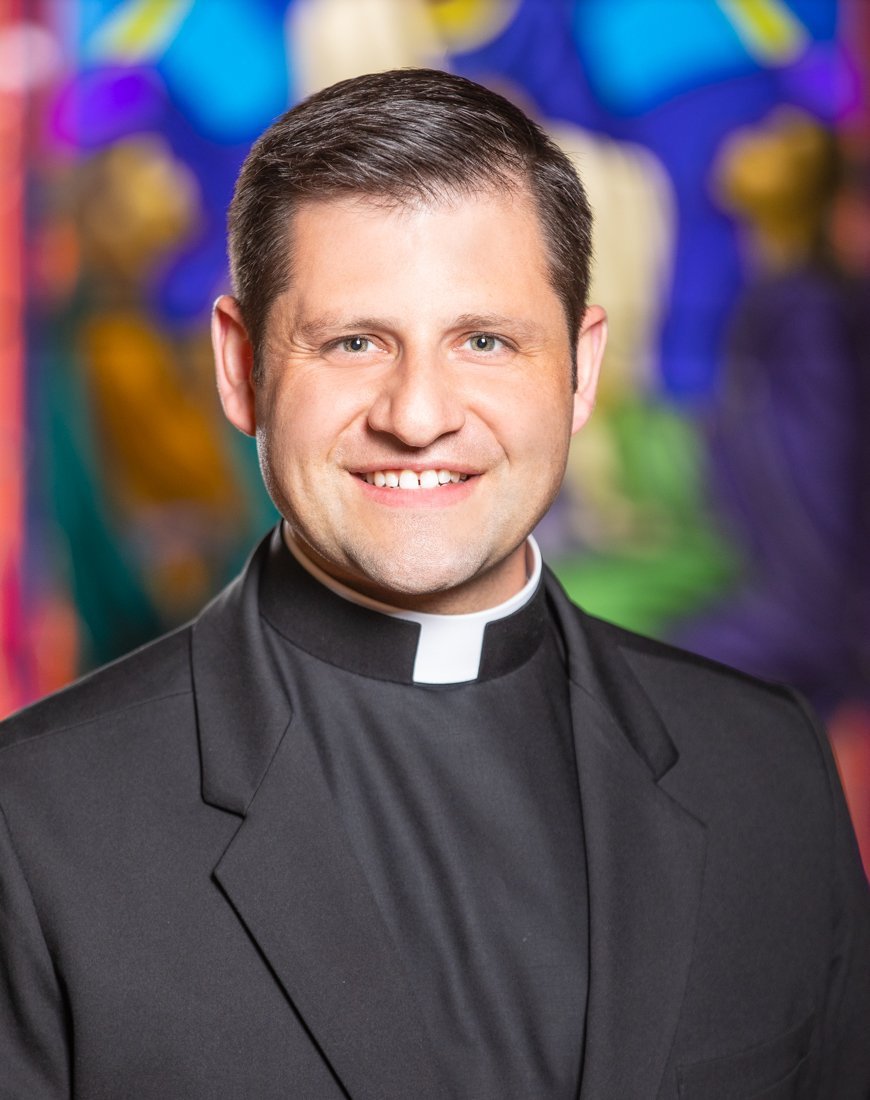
(415, 409)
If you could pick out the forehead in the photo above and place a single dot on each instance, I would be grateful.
(466, 251)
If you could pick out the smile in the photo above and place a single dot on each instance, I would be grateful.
(409, 479)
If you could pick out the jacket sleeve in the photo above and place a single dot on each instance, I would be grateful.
(34, 1054)
(845, 1019)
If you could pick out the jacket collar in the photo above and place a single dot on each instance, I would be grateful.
(598, 664)
(240, 719)
(291, 876)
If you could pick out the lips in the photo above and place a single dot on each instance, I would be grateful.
(412, 479)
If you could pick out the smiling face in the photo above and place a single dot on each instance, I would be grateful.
(415, 406)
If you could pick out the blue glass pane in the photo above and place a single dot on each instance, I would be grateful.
(227, 68)
(637, 53)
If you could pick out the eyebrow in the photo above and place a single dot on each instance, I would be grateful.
(327, 324)
(486, 322)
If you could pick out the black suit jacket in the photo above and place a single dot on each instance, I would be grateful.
(181, 914)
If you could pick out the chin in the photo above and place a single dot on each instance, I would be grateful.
(416, 574)
(415, 585)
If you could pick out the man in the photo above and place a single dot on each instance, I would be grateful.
(392, 818)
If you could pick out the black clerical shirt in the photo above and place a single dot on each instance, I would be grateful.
(461, 803)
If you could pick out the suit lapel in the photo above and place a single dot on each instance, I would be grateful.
(644, 863)
(645, 859)
(289, 871)
(295, 884)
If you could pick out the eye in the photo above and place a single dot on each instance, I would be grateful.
(356, 344)
(485, 342)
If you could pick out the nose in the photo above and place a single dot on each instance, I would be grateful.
(418, 402)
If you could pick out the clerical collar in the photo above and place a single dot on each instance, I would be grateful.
(333, 622)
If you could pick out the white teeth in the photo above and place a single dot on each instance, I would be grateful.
(407, 479)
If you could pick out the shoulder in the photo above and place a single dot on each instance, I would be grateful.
(127, 725)
(717, 716)
(680, 675)
(142, 681)
(692, 694)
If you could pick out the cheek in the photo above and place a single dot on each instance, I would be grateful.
(313, 418)
(274, 466)
(291, 428)
(536, 425)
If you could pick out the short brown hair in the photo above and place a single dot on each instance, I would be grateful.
(400, 136)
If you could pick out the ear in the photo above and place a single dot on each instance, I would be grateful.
(234, 364)
(590, 351)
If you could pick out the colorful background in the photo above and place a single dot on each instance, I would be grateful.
(720, 496)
